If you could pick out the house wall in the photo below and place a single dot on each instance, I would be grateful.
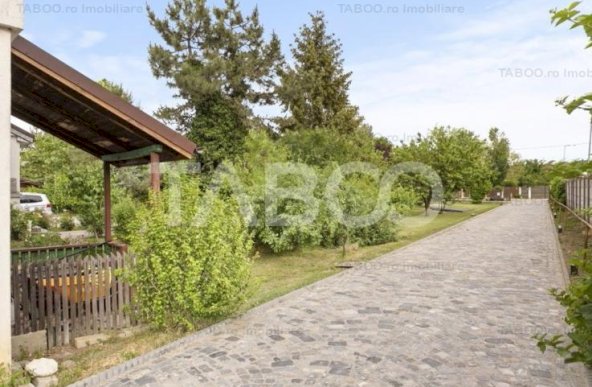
(15, 175)
(11, 22)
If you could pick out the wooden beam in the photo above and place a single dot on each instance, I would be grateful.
(133, 154)
(85, 125)
(155, 172)
(49, 127)
(76, 88)
(107, 191)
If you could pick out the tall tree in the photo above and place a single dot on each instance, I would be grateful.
(499, 155)
(458, 156)
(117, 89)
(220, 66)
(315, 90)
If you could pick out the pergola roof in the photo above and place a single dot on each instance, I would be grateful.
(54, 97)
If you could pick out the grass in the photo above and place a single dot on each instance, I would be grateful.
(273, 275)
(276, 275)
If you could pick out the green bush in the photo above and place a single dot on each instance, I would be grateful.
(39, 219)
(479, 189)
(18, 225)
(67, 221)
(184, 271)
(558, 189)
(19, 222)
(323, 150)
(577, 299)
(383, 231)
(44, 239)
(124, 212)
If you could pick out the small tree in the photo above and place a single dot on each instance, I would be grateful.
(186, 270)
(458, 156)
(499, 155)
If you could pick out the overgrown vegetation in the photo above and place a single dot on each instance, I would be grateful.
(192, 267)
(272, 275)
(10, 378)
(577, 300)
(221, 63)
(576, 345)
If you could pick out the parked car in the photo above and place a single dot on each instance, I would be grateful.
(32, 201)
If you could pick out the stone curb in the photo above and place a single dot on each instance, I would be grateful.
(111, 373)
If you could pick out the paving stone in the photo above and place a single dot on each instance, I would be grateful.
(456, 309)
(282, 363)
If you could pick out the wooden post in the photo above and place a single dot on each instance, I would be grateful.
(155, 171)
(586, 239)
(107, 190)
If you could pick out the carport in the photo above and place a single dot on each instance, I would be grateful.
(54, 97)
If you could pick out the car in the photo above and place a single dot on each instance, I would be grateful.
(33, 201)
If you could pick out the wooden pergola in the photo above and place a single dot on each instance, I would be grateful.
(61, 101)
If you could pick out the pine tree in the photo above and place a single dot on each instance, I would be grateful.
(315, 90)
(220, 66)
(117, 89)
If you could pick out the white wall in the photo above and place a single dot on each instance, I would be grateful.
(15, 173)
(11, 22)
(11, 15)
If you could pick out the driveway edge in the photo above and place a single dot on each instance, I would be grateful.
(113, 372)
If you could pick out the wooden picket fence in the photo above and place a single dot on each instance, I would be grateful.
(578, 195)
(71, 297)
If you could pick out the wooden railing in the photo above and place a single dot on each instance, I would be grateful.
(63, 251)
(72, 292)
(58, 252)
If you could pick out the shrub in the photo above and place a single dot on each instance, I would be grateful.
(558, 189)
(577, 299)
(479, 190)
(18, 225)
(67, 221)
(44, 239)
(323, 150)
(184, 271)
(124, 212)
(19, 222)
(383, 231)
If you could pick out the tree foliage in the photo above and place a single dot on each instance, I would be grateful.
(315, 90)
(573, 16)
(219, 64)
(499, 155)
(117, 89)
(458, 156)
(187, 271)
(576, 345)
(73, 179)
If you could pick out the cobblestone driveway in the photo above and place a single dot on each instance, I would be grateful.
(456, 309)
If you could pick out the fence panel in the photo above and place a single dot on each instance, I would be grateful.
(70, 296)
(578, 195)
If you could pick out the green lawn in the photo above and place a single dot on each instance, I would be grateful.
(273, 275)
